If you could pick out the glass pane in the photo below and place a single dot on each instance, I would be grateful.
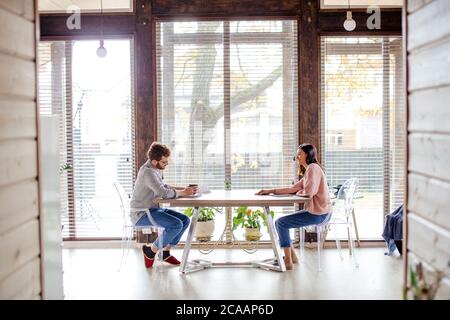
(102, 135)
(193, 74)
(363, 124)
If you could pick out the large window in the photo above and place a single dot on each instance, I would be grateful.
(227, 101)
(363, 123)
(94, 104)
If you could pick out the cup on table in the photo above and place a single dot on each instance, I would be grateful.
(194, 186)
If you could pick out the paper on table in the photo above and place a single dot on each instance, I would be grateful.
(284, 195)
(203, 189)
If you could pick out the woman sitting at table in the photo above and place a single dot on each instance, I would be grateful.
(314, 185)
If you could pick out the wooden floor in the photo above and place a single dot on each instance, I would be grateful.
(94, 274)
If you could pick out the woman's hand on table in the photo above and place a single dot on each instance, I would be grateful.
(263, 192)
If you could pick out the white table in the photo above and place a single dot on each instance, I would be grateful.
(234, 198)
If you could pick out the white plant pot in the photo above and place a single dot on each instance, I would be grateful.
(204, 230)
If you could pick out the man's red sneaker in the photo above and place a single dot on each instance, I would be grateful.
(172, 260)
(147, 254)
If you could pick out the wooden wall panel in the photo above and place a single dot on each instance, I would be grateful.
(17, 77)
(429, 154)
(17, 119)
(18, 159)
(429, 242)
(430, 24)
(415, 5)
(429, 198)
(18, 247)
(20, 272)
(430, 110)
(17, 35)
(23, 8)
(19, 204)
(443, 291)
(23, 283)
(429, 67)
(427, 222)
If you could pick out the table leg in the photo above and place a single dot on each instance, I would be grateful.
(275, 245)
(187, 245)
(356, 227)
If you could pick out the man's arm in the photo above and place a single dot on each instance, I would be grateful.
(159, 188)
(176, 188)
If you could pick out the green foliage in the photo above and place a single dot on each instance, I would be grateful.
(248, 218)
(64, 167)
(205, 214)
(418, 287)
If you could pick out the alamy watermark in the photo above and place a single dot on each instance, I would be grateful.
(74, 20)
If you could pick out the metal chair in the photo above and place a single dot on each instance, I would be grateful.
(128, 228)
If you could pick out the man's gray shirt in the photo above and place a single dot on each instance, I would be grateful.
(148, 187)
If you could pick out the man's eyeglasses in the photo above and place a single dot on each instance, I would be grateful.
(163, 162)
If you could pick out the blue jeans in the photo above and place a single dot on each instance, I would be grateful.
(299, 219)
(174, 223)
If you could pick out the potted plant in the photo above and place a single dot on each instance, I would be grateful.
(251, 221)
(205, 222)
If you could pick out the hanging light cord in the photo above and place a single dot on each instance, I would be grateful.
(101, 18)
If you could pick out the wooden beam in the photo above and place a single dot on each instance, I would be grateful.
(224, 8)
(145, 69)
(333, 22)
(54, 25)
(308, 82)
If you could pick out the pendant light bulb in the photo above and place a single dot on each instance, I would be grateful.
(349, 23)
(101, 51)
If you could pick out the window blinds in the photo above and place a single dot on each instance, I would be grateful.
(363, 123)
(227, 102)
(96, 135)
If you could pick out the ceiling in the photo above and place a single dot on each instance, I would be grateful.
(59, 6)
(343, 4)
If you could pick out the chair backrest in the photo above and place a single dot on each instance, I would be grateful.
(347, 193)
(123, 199)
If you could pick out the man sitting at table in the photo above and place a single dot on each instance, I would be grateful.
(148, 187)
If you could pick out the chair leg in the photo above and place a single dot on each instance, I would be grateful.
(127, 236)
(338, 244)
(351, 244)
(319, 231)
(159, 254)
(302, 242)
